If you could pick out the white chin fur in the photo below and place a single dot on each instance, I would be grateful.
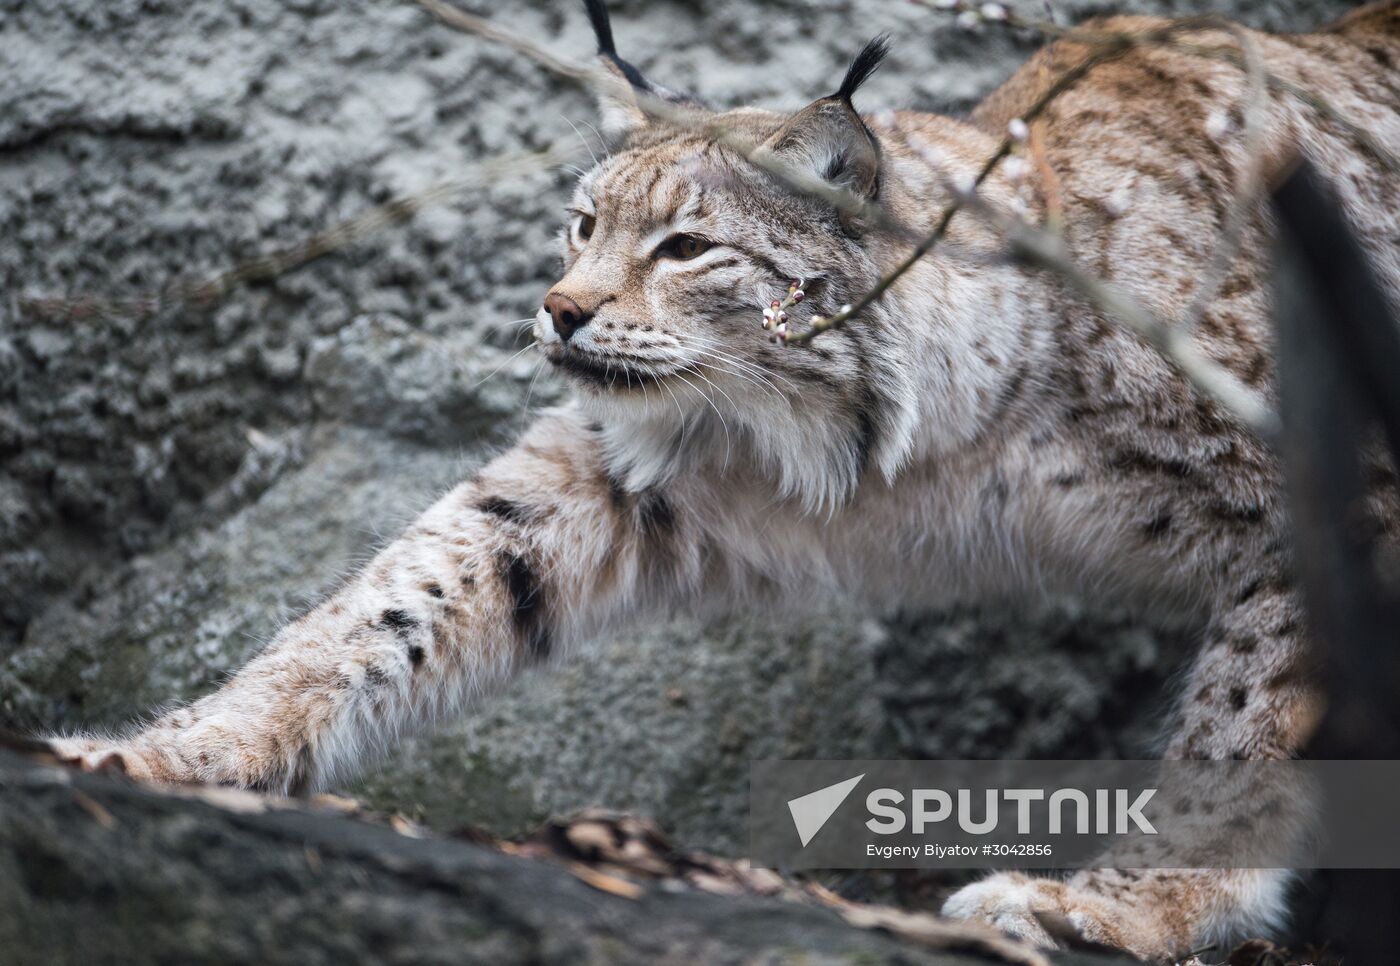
(651, 440)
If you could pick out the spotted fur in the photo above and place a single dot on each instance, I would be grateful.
(978, 433)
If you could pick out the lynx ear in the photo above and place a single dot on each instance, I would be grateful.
(618, 106)
(828, 138)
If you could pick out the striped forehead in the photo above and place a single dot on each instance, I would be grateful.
(648, 187)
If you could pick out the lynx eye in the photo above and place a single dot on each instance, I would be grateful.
(582, 229)
(683, 247)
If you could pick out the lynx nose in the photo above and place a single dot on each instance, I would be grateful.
(568, 317)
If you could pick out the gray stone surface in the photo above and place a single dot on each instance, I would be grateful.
(173, 487)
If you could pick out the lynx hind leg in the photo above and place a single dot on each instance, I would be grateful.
(1248, 696)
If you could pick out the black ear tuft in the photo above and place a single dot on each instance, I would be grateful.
(866, 63)
(620, 112)
(602, 27)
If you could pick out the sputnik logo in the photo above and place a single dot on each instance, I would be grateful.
(811, 811)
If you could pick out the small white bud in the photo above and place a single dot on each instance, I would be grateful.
(993, 11)
(846, 309)
(968, 19)
(1018, 129)
(964, 185)
(1016, 169)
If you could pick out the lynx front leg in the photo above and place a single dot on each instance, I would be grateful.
(1248, 697)
(503, 572)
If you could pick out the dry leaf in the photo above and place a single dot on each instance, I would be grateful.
(611, 884)
(336, 803)
(227, 798)
(90, 805)
(590, 837)
(407, 827)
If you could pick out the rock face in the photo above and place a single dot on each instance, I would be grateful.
(176, 484)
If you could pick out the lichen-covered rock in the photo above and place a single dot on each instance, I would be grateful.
(662, 723)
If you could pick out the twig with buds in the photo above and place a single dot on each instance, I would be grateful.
(1104, 46)
(775, 317)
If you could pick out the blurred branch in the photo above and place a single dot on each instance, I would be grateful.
(602, 81)
(1338, 355)
(1034, 245)
(106, 870)
(996, 13)
(282, 260)
(1247, 180)
(1066, 81)
(1047, 250)
(1040, 159)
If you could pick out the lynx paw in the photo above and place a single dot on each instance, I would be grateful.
(1050, 913)
(98, 755)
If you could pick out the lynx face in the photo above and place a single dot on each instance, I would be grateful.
(673, 246)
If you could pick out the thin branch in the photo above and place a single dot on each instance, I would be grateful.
(1047, 250)
(1117, 46)
(1035, 147)
(1248, 180)
(598, 79)
(282, 260)
(1312, 99)
(1094, 36)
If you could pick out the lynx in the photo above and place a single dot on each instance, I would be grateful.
(980, 432)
